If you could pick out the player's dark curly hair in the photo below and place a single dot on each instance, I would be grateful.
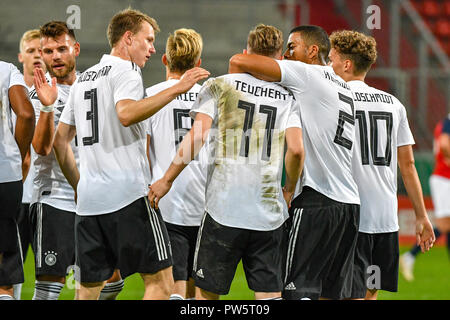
(361, 49)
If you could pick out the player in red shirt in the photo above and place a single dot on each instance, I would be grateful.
(440, 189)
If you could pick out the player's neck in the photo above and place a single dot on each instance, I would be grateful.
(28, 78)
(348, 78)
(170, 75)
(120, 52)
(69, 79)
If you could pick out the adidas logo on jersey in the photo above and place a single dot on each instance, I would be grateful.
(290, 286)
(200, 274)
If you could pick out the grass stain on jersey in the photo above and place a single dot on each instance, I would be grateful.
(230, 118)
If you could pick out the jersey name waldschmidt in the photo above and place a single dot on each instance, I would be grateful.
(10, 158)
(114, 170)
(381, 127)
(328, 120)
(49, 184)
(184, 204)
(246, 148)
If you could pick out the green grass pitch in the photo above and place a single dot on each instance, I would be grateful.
(432, 281)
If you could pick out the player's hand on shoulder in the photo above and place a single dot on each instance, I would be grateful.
(424, 234)
(191, 77)
(47, 94)
(158, 190)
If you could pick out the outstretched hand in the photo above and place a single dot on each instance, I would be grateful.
(47, 94)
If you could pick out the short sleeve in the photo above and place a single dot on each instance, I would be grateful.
(446, 126)
(294, 75)
(404, 135)
(205, 102)
(68, 115)
(294, 119)
(16, 77)
(128, 86)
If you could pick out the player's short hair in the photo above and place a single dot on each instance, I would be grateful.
(265, 40)
(127, 20)
(183, 49)
(54, 29)
(28, 36)
(315, 35)
(357, 47)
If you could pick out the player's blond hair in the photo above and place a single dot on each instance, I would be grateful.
(183, 49)
(128, 20)
(361, 49)
(28, 36)
(265, 40)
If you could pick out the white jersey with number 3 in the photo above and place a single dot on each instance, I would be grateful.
(246, 149)
(10, 158)
(382, 127)
(114, 170)
(184, 204)
(328, 120)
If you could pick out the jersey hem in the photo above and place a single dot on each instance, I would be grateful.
(119, 207)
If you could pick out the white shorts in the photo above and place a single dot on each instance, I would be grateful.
(440, 193)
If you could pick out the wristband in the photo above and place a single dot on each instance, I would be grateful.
(49, 108)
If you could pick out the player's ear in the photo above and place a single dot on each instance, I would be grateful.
(199, 62)
(164, 59)
(313, 51)
(244, 51)
(77, 49)
(19, 57)
(347, 65)
(128, 37)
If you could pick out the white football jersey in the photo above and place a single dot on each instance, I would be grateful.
(184, 204)
(328, 120)
(10, 158)
(381, 127)
(49, 184)
(114, 170)
(246, 149)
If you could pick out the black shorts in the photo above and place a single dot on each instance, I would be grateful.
(321, 249)
(132, 239)
(53, 239)
(183, 240)
(23, 222)
(11, 264)
(10, 199)
(376, 263)
(220, 248)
